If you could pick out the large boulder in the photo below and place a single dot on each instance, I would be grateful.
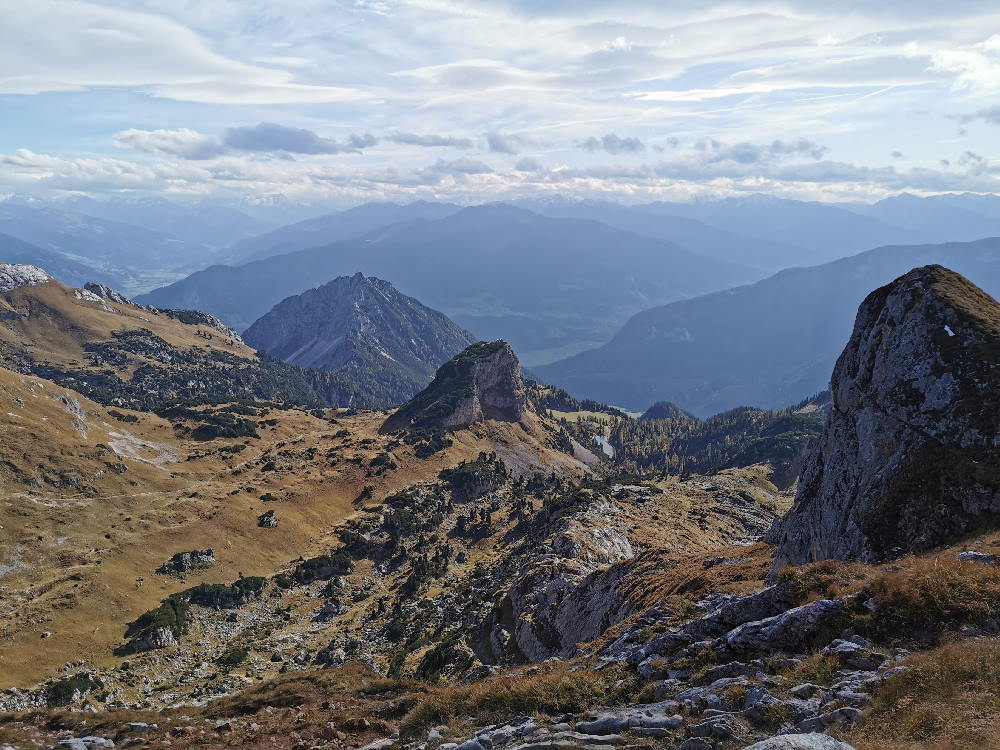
(909, 456)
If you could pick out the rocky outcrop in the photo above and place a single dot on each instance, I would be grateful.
(156, 638)
(908, 458)
(105, 292)
(482, 382)
(185, 561)
(16, 275)
(384, 345)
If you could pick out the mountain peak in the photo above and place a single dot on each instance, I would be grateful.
(482, 382)
(383, 345)
(907, 459)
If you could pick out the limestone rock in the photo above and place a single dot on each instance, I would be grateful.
(482, 382)
(16, 275)
(811, 741)
(185, 561)
(909, 454)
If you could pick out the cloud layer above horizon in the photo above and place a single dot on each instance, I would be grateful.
(355, 100)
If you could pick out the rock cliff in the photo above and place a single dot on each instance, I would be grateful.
(482, 382)
(909, 457)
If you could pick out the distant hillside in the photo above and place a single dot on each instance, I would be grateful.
(724, 243)
(768, 344)
(378, 346)
(130, 257)
(117, 353)
(944, 218)
(824, 232)
(347, 225)
(197, 223)
(549, 286)
(13, 250)
(681, 444)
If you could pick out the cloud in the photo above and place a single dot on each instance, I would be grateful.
(460, 167)
(184, 143)
(613, 144)
(502, 143)
(269, 136)
(70, 45)
(715, 151)
(976, 66)
(413, 139)
(527, 164)
(989, 114)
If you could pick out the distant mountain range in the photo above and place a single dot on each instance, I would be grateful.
(375, 346)
(197, 223)
(549, 286)
(347, 225)
(128, 257)
(822, 231)
(768, 344)
(13, 250)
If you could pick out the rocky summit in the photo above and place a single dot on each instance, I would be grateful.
(909, 454)
(482, 382)
(380, 346)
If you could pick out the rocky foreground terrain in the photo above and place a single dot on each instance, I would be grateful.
(471, 572)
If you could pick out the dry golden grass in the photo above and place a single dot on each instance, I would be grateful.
(551, 691)
(949, 700)
(917, 598)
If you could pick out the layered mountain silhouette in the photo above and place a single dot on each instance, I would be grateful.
(768, 344)
(376, 346)
(549, 286)
(129, 257)
(346, 225)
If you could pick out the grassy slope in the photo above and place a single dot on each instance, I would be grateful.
(77, 577)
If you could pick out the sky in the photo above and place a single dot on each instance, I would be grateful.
(351, 100)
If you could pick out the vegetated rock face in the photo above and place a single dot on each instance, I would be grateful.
(482, 382)
(909, 455)
(383, 345)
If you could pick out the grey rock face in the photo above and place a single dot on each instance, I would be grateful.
(908, 457)
(158, 638)
(567, 594)
(105, 292)
(811, 741)
(787, 632)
